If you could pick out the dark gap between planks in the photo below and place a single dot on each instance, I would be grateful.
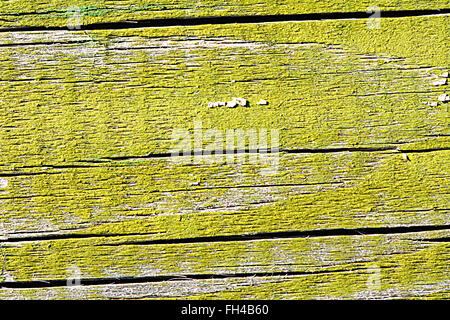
(244, 237)
(195, 21)
(152, 279)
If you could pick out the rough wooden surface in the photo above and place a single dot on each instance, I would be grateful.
(362, 180)
(21, 13)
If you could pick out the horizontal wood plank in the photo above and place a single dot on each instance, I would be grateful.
(124, 93)
(168, 201)
(412, 264)
(87, 180)
(62, 13)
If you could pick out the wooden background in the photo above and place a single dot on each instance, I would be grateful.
(359, 206)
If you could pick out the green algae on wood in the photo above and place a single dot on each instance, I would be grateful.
(340, 266)
(321, 191)
(59, 13)
(121, 93)
(334, 84)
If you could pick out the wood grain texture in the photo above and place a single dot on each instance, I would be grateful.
(164, 201)
(409, 265)
(361, 182)
(58, 12)
(123, 93)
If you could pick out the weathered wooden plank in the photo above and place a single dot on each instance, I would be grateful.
(168, 201)
(313, 287)
(62, 13)
(377, 266)
(123, 93)
(337, 90)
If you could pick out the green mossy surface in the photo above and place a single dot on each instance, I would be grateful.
(347, 190)
(58, 12)
(328, 84)
(71, 100)
(339, 267)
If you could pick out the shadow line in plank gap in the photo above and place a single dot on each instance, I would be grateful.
(290, 235)
(260, 151)
(219, 20)
(167, 278)
(234, 238)
(71, 236)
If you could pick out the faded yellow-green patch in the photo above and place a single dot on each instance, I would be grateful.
(83, 12)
